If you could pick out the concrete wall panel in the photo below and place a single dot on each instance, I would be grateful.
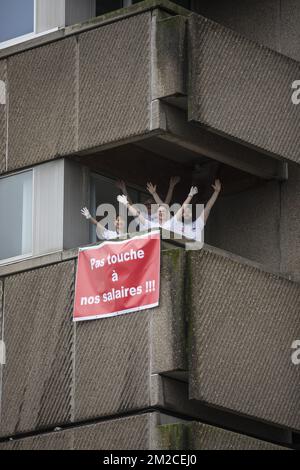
(168, 335)
(112, 365)
(247, 224)
(204, 437)
(257, 20)
(37, 377)
(3, 114)
(273, 23)
(170, 61)
(242, 325)
(290, 222)
(42, 103)
(289, 28)
(114, 88)
(130, 433)
(242, 90)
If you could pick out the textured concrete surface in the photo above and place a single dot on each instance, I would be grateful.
(130, 433)
(112, 365)
(273, 23)
(114, 81)
(37, 377)
(3, 116)
(140, 432)
(62, 373)
(42, 103)
(289, 28)
(168, 330)
(290, 222)
(170, 58)
(247, 89)
(247, 223)
(242, 322)
(257, 20)
(199, 436)
(205, 437)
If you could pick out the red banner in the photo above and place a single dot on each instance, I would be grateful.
(118, 277)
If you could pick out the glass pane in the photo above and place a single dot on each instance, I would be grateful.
(103, 191)
(104, 6)
(16, 18)
(16, 215)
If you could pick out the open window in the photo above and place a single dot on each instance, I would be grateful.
(103, 190)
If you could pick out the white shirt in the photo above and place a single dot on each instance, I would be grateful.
(193, 230)
(145, 225)
(154, 223)
(107, 234)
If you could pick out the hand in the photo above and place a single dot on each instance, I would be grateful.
(121, 185)
(217, 186)
(151, 188)
(193, 191)
(174, 180)
(86, 213)
(123, 200)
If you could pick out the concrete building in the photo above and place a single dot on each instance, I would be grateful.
(150, 89)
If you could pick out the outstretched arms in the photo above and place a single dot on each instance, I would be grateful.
(152, 190)
(133, 211)
(192, 193)
(86, 213)
(120, 184)
(217, 188)
(174, 180)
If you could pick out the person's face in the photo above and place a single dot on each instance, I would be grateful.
(162, 214)
(119, 224)
(187, 214)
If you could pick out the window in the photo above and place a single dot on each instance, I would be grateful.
(104, 6)
(16, 215)
(22, 20)
(16, 18)
(103, 190)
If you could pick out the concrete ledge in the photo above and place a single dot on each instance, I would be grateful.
(96, 22)
(242, 322)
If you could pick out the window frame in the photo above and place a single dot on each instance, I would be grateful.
(14, 259)
(28, 36)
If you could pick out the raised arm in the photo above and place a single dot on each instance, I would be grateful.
(192, 193)
(152, 190)
(133, 211)
(120, 184)
(86, 213)
(173, 181)
(217, 188)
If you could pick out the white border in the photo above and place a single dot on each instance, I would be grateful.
(117, 241)
(25, 37)
(117, 312)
